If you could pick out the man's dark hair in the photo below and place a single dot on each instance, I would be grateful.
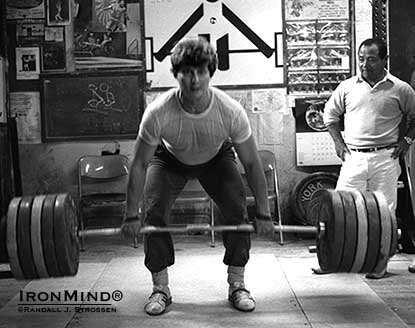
(383, 51)
(194, 52)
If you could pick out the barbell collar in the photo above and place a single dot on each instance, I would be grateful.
(201, 227)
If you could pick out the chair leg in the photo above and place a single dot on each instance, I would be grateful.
(281, 233)
(135, 242)
(212, 224)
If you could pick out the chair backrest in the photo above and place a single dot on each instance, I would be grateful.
(270, 170)
(103, 174)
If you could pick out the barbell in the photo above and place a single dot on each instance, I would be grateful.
(355, 232)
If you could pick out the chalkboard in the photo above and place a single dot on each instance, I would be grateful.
(87, 107)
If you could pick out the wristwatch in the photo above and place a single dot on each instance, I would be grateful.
(408, 140)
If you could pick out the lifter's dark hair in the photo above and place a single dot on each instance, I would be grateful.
(194, 52)
(383, 51)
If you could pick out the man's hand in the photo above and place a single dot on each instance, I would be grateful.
(263, 225)
(341, 149)
(130, 227)
(401, 148)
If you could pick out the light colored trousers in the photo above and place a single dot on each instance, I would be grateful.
(375, 171)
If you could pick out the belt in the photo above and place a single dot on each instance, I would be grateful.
(368, 150)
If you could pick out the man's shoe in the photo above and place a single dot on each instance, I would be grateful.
(241, 299)
(157, 303)
(411, 268)
(376, 275)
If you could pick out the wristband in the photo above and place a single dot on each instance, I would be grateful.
(261, 217)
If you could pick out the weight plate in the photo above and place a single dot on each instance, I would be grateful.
(373, 244)
(361, 246)
(350, 231)
(330, 243)
(48, 240)
(394, 234)
(24, 244)
(64, 230)
(11, 242)
(304, 190)
(36, 236)
(386, 229)
(313, 208)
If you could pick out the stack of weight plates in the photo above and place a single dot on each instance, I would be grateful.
(42, 236)
(360, 232)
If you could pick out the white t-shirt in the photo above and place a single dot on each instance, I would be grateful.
(194, 138)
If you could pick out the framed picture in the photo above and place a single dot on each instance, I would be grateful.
(91, 106)
(53, 57)
(27, 63)
(58, 12)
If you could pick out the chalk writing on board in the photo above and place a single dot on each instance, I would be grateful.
(91, 107)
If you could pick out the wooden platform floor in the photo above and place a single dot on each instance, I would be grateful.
(279, 277)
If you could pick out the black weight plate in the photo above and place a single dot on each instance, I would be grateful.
(373, 237)
(361, 245)
(65, 235)
(313, 208)
(330, 243)
(24, 244)
(350, 231)
(48, 240)
(304, 190)
(386, 231)
(36, 236)
(11, 241)
(394, 234)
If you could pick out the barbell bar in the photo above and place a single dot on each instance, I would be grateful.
(201, 228)
(355, 232)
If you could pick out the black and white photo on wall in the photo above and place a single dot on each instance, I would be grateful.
(58, 12)
(27, 63)
(53, 57)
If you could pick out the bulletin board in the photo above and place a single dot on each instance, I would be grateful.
(248, 36)
(319, 45)
(102, 106)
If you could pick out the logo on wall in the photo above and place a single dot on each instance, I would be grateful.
(248, 39)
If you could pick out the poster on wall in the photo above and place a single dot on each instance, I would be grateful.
(316, 9)
(58, 12)
(248, 36)
(27, 63)
(25, 107)
(25, 9)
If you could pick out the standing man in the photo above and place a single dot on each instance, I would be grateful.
(189, 132)
(373, 104)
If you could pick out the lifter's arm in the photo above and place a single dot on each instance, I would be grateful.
(249, 157)
(143, 152)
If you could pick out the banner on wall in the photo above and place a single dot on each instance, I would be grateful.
(248, 36)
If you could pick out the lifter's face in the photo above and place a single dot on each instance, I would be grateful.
(370, 64)
(193, 81)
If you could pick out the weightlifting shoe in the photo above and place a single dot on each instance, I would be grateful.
(376, 275)
(157, 303)
(240, 298)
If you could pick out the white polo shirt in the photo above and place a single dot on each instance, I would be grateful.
(371, 114)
